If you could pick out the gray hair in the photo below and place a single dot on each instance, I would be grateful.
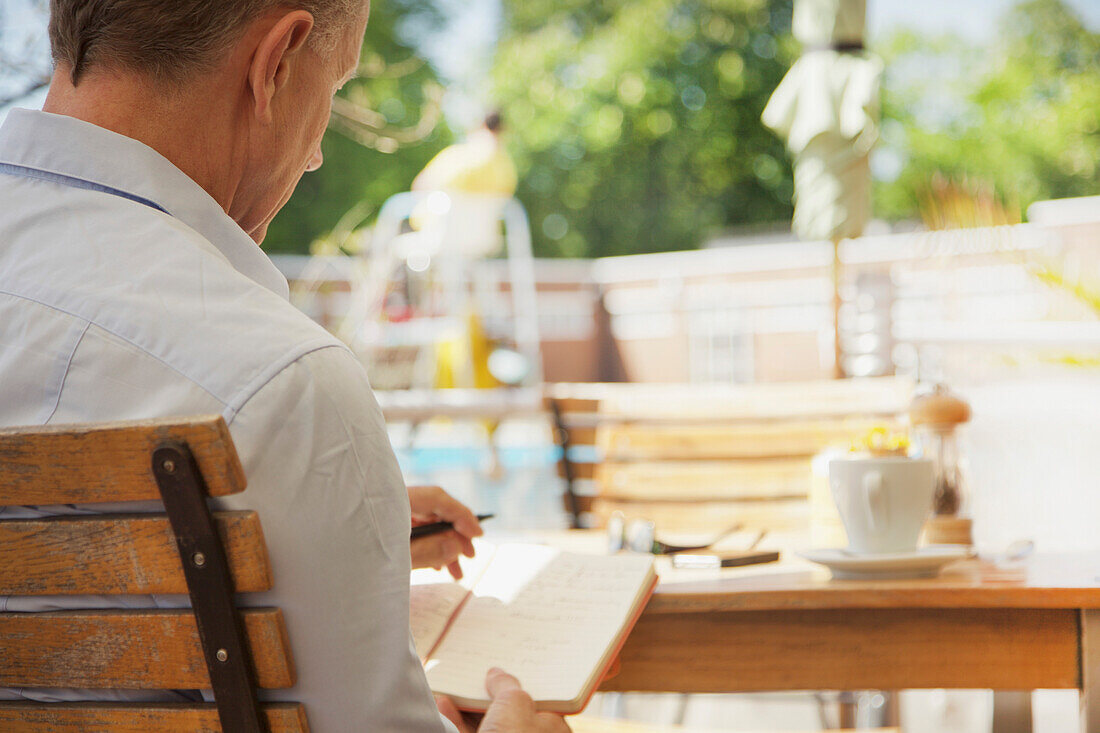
(172, 40)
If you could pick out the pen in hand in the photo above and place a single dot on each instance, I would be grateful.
(425, 530)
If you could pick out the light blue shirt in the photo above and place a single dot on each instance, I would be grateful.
(126, 292)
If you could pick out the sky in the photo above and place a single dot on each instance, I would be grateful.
(975, 19)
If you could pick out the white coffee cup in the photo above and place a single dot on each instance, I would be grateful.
(883, 501)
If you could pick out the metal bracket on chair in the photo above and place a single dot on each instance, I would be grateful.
(210, 587)
(566, 465)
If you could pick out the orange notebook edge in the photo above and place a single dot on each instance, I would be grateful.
(612, 667)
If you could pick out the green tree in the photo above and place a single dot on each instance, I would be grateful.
(385, 127)
(635, 124)
(1022, 115)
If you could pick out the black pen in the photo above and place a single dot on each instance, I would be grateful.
(424, 530)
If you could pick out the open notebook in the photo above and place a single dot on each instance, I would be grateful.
(554, 619)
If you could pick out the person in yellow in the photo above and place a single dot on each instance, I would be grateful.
(476, 178)
(479, 165)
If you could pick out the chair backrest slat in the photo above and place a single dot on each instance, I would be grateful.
(106, 462)
(694, 441)
(136, 650)
(19, 717)
(696, 458)
(703, 480)
(135, 554)
(119, 554)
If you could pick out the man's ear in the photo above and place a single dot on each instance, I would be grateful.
(271, 61)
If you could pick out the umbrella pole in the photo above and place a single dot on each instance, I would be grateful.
(838, 367)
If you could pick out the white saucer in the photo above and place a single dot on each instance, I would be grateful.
(925, 562)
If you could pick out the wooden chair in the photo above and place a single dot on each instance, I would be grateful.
(700, 457)
(185, 549)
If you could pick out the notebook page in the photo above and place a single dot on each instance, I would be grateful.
(434, 596)
(541, 614)
(430, 609)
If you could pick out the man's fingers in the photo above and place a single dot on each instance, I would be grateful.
(455, 570)
(551, 723)
(434, 502)
(458, 514)
(451, 712)
(499, 683)
(435, 551)
(513, 710)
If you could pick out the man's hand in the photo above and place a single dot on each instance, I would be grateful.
(433, 504)
(511, 711)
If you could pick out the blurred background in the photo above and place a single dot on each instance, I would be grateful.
(921, 206)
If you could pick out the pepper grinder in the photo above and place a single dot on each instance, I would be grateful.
(934, 418)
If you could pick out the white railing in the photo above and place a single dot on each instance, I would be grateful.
(765, 312)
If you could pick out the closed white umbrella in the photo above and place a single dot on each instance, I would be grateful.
(826, 108)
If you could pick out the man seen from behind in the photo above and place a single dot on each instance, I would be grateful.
(132, 286)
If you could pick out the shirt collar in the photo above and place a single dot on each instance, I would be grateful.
(72, 147)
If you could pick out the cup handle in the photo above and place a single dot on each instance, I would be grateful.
(874, 499)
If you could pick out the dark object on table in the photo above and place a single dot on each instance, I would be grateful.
(724, 560)
(425, 530)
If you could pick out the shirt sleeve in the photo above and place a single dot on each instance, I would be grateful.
(335, 514)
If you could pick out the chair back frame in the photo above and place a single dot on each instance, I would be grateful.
(573, 504)
(209, 586)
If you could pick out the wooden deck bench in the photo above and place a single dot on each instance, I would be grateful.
(698, 457)
(185, 549)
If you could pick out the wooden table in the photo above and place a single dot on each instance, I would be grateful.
(1021, 627)
(418, 405)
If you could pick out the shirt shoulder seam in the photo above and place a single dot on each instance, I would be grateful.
(65, 375)
(274, 369)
